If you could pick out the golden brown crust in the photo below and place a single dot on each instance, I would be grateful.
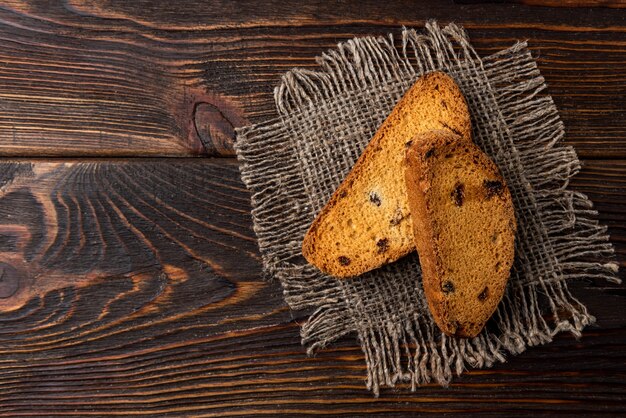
(366, 222)
(464, 228)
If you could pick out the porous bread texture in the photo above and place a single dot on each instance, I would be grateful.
(464, 228)
(366, 223)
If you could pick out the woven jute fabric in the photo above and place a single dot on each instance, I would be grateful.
(325, 118)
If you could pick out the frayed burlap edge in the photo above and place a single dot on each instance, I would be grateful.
(522, 131)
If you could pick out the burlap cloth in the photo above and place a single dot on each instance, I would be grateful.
(292, 165)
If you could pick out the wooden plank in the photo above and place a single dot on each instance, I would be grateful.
(617, 4)
(174, 79)
(70, 223)
(266, 372)
(138, 292)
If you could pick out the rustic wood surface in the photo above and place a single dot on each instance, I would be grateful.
(131, 285)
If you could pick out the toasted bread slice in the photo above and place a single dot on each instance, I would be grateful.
(464, 227)
(366, 222)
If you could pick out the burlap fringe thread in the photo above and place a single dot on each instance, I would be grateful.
(517, 124)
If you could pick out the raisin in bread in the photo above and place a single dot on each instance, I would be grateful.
(366, 222)
(464, 227)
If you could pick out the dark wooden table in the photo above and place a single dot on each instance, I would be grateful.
(129, 272)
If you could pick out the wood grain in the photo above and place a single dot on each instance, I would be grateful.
(99, 78)
(132, 286)
(617, 4)
(141, 293)
(69, 223)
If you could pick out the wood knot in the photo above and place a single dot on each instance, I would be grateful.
(10, 279)
(214, 129)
